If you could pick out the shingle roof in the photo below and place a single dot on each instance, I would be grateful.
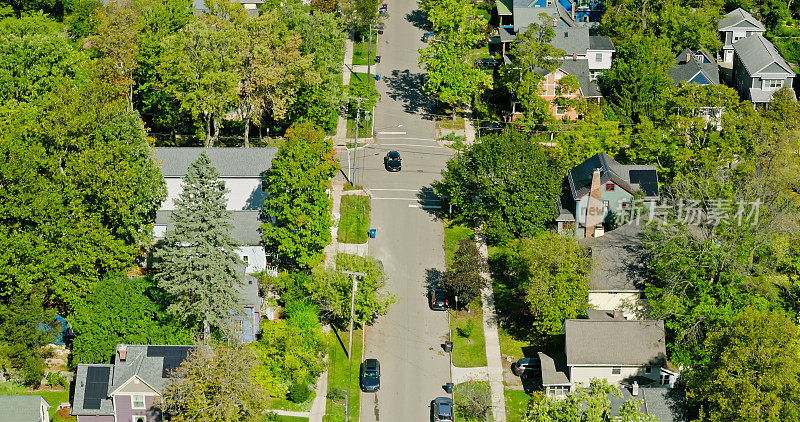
(580, 69)
(229, 162)
(684, 71)
(597, 42)
(572, 40)
(21, 408)
(148, 363)
(503, 7)
(756, 53)
(617, 261)
(630, 342)
(554, 368)
(666, 404)
(736, 16)
(246, 225)
(83, 391)
(524, 16)
(629, 177)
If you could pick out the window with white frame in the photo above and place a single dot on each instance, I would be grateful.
(616, 371)
(139, 419)
(137, 401)
(598, 57)
(558, 390)
(772, 84)
(664, 379)
(561, 110)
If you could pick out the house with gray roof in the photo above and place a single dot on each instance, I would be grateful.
(734, 26)
(599, 190)
(579, 45)
(126, 389)
(759, 69)
(24, 409)
(243, 171)
(665, 404)
(694, 67)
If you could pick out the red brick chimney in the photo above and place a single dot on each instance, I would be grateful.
(688, 57)
(555, 23)
(574, 57)
(122, 351)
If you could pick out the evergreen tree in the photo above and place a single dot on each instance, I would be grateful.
(199, 268)
(464, 279)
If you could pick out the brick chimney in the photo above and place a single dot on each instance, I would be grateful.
(594, 210)
(572, 9)
(122, 351)
(688, 57)
(555, 23)
(574, 57)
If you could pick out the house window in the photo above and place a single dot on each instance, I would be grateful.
(663, 379)
(139, 419)
(598, 57)
(586, 18)
(560, 110)
(606, 205)
(772, 83)
(648, 369)
(616, 371)
(737, 38)
(558, 390)
(246, 260)
(610, 187)
(137, 401)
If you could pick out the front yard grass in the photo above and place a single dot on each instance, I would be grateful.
(338, 379)
(286, 404)
(360, 51)
(468, 351)
(354, 219)
(52, 397)
(510, 346)
(516, 404)
(453, 233)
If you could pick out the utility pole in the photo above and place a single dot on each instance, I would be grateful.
(353, 275)
(355, 150)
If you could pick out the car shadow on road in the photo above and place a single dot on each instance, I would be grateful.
(419, 19)
(407, 87)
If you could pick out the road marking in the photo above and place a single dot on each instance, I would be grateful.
(410, 145)
(409, 199)
(400, 190)
(433, 207)
(391, 133)
(409, 139)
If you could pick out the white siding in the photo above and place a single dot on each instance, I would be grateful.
(632, 306)
(256, 258)
(245, 193)
(584, 374)
(603, 64)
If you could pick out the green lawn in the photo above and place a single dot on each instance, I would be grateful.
(509, 345)
(364, 132)
(354, 219)
(468, 351)
(448, 123)
(53, 398)
(361, 85)
(516, 404)
(338, 375)
(360, 51)
(453, 233)
(285, 404)
(483, 387)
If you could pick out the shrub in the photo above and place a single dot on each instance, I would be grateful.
(54, 379)
(299, 392)
(473, 399)
(458, 141)
(32, 371)
(466, 331)
(336, 394)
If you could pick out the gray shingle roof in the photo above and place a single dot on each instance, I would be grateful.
(580, 69)
(597, 42)
(666, 404)
(142, 364)
(629, 177)
(229, 162)
(572, 40)
(21, 408)
(554, 368)
(737, 16)
(524, 16)
(684, 71)
(756, 53)
(106, 405)
(246, 225)
(630, 342)
(617, 260)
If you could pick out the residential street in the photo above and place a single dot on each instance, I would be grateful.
(409, 239)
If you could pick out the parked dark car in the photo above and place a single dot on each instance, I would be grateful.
(442, 409)
(370, 375)
(392, 161)
(526, 366)
(437, 299)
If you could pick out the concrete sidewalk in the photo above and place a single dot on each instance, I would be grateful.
(317, 411)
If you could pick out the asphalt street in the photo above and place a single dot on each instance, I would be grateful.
(409, 239)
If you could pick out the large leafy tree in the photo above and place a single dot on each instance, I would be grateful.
(551, 272)
(591, 405)
(199, 268)
(116, 47)
(755, 371)
(507, 182)
(215, 384)
(297, 201)
(464, 278)
(102, 320)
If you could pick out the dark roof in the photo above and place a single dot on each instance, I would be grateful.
(554, 368)
(597, 42)
(615, 342)
(91, 390)
(21, 408)
(686, 71)
(618, 264)
(580, 69)
(756, 53)
(246, 225)
(645, 176)
(666, 404)
(736, 16)
(229, 162)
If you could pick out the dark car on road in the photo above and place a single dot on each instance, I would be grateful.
(437, 299)
(442, 409)
(392, 161)
(370, 375)
(526, 367)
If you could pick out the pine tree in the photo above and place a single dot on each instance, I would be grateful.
(464, 279)
(199, 268)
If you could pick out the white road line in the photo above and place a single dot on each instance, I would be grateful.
(409, 145)
(408, 139)
(408, 199)
(391, 133)
(433, 207)
(399, 190)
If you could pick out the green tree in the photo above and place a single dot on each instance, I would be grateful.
(551, 271)
(590, 405)
(290, 350)
(507, 182)
(200, 270)
(297, 200)
(25, 327)
(102, 320)
(754, 373)
(199, 68)
(116, 47)
(80, 16)
(464, 278)
(215, 384)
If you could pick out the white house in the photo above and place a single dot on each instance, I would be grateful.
(242, 170)
(24, 409)
(734, 26)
